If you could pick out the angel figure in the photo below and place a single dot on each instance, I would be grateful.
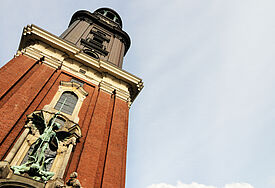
(36, 165)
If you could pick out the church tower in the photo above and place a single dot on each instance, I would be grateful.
(64, 104)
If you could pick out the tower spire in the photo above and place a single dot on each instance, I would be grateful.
(99, 34)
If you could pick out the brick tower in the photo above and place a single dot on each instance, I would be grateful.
(64, 104)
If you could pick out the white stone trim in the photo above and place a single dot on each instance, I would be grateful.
(74, 85)
(58, 53)
(32, 29)
(17, 145)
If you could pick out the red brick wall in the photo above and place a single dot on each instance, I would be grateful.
(85, 115)
(13, 71)
(13, 108)
(115, 165)
(102, 161)
(100, 155)
(91, 155)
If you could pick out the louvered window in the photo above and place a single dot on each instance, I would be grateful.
(96, 43)
(67, 102)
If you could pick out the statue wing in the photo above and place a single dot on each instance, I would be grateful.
(61, 135)
(53, 143)
(39, 121)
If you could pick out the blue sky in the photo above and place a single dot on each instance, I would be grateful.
(205, 118)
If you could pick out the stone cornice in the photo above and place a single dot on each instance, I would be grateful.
(32, 34)
(32, 29)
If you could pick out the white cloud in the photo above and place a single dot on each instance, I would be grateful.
(196, 185)
(238, 185)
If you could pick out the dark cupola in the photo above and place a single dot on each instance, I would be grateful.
(99, 34)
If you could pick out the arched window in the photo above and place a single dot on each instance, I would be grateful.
(67, 101)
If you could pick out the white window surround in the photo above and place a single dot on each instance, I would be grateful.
(71, 87)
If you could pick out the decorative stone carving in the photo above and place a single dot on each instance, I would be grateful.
(4, 169)
(74, 85)
(46, 140)
(37, 159)
(63, 147)
(73, 181)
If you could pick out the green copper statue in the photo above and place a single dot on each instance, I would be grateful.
(37, 161)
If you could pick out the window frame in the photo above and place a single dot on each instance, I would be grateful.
(77, 89)
(70, 99)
